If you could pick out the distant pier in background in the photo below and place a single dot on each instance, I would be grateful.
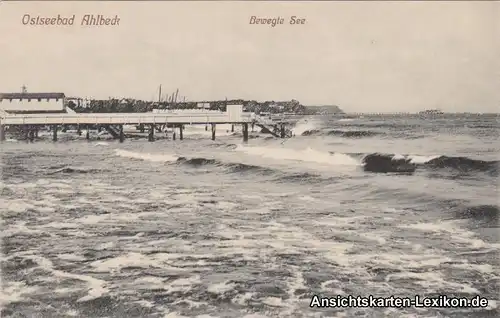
(29, 113)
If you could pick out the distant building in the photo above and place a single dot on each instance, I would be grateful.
(33, 102)
(203, 105)
(78, 102)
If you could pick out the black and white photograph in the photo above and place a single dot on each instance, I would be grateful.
(249, 159)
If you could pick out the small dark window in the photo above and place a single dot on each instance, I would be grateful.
(39, 99)
(29, 99)
(57, 99)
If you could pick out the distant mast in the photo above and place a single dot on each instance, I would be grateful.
(159, 95)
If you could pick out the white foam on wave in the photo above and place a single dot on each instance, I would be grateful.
(456, 232)
(307, 154)
(71, 257)
(425, 268)
(96, 286)
(72, 313)
(146, 156)
(17, 206)
(61, 225)
(242, 299)
(177, 315)
(148, 282)
(274, 301)
(183, 284)
(221, 288)
(255, 316)
(433, 281)
(273, 237)
(304, 125)
(13, 292)
(133, 259)
(174, 315)
(418, 159)
(18, 228)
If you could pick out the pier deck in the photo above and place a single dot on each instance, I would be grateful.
(123, 119)
(30, 123)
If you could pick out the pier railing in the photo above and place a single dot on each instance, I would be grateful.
(122, 118)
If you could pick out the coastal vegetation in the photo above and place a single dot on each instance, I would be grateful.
(127, 105)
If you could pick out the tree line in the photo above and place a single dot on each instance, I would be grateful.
(134, 106)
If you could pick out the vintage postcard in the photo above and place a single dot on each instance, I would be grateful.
(249, 159)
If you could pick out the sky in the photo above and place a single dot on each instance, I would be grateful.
(362, 56)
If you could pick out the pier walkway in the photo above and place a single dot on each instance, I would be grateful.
(113, 122)
(124, 119)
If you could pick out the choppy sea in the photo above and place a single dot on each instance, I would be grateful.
(202, 228)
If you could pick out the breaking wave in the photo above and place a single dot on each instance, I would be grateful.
(305, 125)
(377, 162)
(341, 133)
(146, 156)
(311, 132)
(353, 133)
(305, 155)
(373, 162)
(70, 170)
(232, 167)
(464, 164)
(387, 163)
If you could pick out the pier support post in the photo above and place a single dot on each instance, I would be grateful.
(87, 134)
(245, 132)
(31, 133)
(232, 128)
(151, 136)
(181, 134)
(283, 131)
(141, 128)
(173, 134)
(36, 131)
(206, 127)
(213, 131)
(54, 132)
(2, 133)
(78, 130)
(122, 136)
(253, 125)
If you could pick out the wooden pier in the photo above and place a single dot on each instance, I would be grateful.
(113, 123)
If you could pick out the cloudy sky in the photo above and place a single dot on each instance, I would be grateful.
(380, 56)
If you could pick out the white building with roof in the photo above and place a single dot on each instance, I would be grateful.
(24, 103)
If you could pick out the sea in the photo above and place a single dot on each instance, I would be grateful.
(364, 206)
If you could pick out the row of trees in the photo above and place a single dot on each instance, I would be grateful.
(133, 106)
